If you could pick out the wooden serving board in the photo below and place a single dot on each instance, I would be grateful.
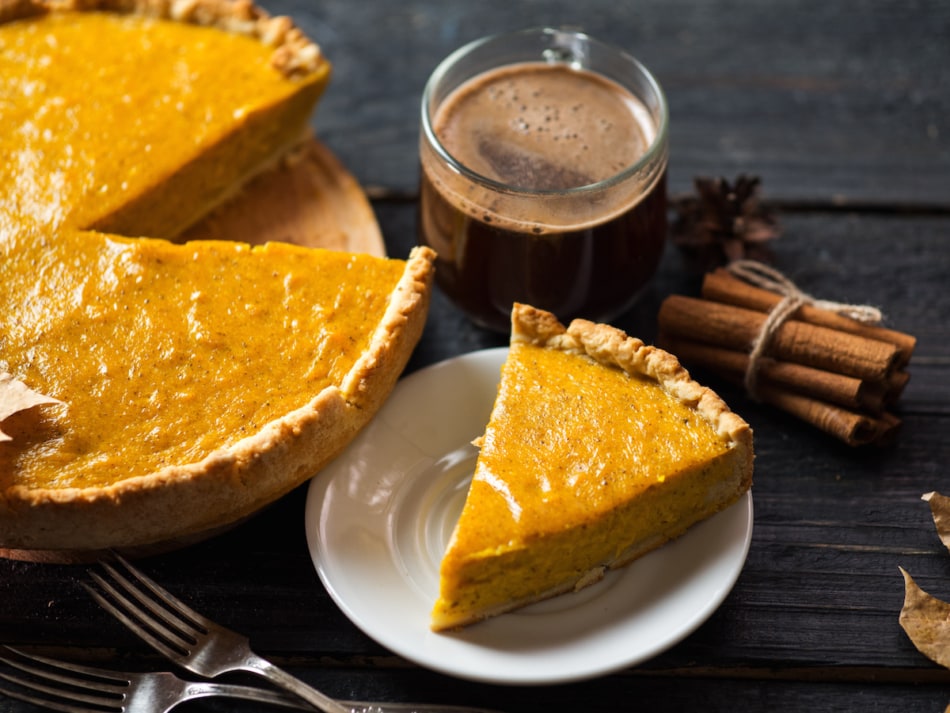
(309, 199)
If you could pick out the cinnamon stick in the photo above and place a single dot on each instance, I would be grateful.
(846, 391)
(851, 427)
(836, 373)
(855, 429)
(794, 341)
(894, 386)
(722, 286)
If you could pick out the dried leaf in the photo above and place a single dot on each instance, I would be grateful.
(940, 508)
(926, 620)
(16, 396)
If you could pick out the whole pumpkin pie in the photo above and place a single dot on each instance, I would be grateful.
(194, 382)
(599, 449)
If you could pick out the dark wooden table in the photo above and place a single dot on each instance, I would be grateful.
(842, 109)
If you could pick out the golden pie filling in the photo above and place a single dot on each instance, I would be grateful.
(136, 125)
(161, 352)
(148, 343)
(582, 467)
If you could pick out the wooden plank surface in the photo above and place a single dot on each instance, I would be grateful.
(830, 102)
(841, 109)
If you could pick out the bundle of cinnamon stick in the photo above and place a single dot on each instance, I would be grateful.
(832, 371)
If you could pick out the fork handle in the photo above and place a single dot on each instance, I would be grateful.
(206, 689)
(284, 680)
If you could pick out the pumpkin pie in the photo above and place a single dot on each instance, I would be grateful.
(599, 449)
(194, 382)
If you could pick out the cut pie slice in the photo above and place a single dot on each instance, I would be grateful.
(599, 449)
(194, 382)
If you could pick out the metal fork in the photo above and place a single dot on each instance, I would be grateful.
(71, 688)
(208, 649)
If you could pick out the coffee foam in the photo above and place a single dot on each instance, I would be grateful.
(542, 127)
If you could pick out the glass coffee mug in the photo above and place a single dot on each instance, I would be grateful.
(543, 176)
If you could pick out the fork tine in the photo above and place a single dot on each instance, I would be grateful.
(165, 613)
(62, 699)
(77, 697)
(168, 646)
(44, 702)
(104, 676)
(105, 680)
(167, 598)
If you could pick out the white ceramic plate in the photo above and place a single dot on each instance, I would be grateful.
(379, 517)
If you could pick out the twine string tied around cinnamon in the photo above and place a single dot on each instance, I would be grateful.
(793, 298)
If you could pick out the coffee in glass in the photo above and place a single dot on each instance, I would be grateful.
(543, 176)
